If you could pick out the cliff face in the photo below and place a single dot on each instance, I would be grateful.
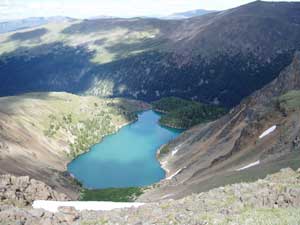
(214, 154)
(272, 200)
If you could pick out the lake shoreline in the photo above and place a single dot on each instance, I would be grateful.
(77, 181)
(161, 162)
(148, 122)
(101, 139)
(143, 106)
(167, 125)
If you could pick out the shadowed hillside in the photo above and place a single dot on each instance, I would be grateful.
(258, 137)
(217, 58)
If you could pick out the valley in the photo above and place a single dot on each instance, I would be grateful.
(41, 133)
(190, 120)
(148, 59)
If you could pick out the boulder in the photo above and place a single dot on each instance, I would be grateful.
(22, 191)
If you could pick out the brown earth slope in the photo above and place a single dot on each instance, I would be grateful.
(210, 155)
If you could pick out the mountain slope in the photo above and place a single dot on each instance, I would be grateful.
(217, 58)
(274, 200)
(258, 137)
(13, 25)
(40, 133)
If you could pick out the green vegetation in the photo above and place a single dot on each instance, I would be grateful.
(111, 194)
(180, 113)
(84, 121)
(280, 216)
(167, 105)
(164, 150)
(53, 127)
(289, 101)
(108, 45)
(88, 133)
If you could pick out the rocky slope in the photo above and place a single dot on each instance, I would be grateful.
(274, 200)
(22, 191)
(41, 132)
(217, 58)
(218, 153)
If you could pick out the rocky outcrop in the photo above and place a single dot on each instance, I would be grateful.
(22, 191)
(274, 199)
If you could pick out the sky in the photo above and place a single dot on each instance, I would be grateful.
(16, 9)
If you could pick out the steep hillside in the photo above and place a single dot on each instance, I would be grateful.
(258, 137)
(217, 58)
(41, 132)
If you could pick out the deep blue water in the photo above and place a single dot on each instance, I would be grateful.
(127, 158)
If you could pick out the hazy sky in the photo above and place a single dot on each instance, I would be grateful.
(12, 9)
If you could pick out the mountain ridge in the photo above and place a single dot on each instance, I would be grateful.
(206, 59)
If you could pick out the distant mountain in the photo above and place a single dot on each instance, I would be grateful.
(217, 58)
(101, 17)
(189, 14)
(13, 25)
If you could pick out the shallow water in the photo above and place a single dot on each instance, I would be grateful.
(127, 158)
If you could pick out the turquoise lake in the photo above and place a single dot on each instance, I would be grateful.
(127, 158)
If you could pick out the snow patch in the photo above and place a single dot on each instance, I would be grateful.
(177, 149)
(177, 172)
(268, 131)
(163, 165)
(166, 196)
(53, 206)
(248, 166)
